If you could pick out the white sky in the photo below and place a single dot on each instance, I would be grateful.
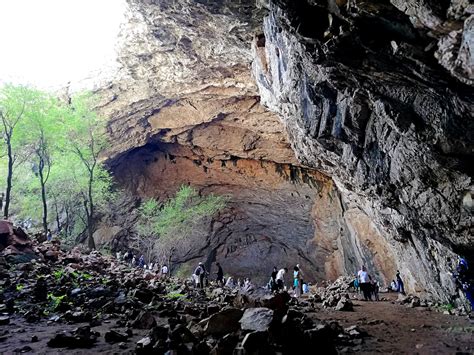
(47, 43)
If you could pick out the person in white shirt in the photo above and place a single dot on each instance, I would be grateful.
(164, 271)
(364, 283)
(280, 278)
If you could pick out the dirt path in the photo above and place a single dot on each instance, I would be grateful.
(398, 329)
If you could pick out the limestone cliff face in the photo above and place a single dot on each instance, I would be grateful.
(364, 101)
(373, 98)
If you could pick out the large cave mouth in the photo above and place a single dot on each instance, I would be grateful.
(268, 216)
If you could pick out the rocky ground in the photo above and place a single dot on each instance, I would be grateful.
(52, 300)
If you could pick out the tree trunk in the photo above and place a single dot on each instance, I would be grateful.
(9, 176)
(58, 223)
(66, 227)
(43, 196)
(90, 217)
(90, 230)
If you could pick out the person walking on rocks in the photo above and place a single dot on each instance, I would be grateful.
(364, 283)
(400, 285)
(280, 278)
(219, 274)
(200, 273)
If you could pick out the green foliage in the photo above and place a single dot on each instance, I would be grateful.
(175, 295)
(180, 212)
(447, 307)
(65, 139)
(58, 274)
(19, 287)
(169, 229)
(54, 301)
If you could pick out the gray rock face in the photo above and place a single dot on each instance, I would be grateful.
(364, 102)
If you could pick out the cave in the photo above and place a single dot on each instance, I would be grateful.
(335, 142)
(341, 135)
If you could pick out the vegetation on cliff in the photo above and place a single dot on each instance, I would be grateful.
(166, 230)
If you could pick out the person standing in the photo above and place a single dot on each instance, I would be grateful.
(364, 283)
(200, 273)
(141, 262)
(296, 281)
(49, 235)
(375, 289)
(219, 274)
(465, 278)
(301, 277)
(164, 271)
(280, 278)
(272, 282)
(400, 285)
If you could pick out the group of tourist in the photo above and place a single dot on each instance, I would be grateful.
(370, 287)
(364, 281)
(277, 280)
(135, 261)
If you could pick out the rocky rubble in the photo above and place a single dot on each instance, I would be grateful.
(138, 311)
(335, 295)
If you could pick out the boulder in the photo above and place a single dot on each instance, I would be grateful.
(224, 322)
(344, 304)
(255, 341)
(145, 320)
(257, 319)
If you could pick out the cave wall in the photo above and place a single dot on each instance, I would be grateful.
(364, 101)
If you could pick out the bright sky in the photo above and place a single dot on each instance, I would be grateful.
(50, 42)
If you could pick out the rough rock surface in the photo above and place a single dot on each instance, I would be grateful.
(375, 95)
(364, 101)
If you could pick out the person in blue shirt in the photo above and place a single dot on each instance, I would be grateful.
(465, 279)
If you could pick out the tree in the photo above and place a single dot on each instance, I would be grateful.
(61, 142)
(172, 224)
(87, 139)
(44, 117)
(13, 102)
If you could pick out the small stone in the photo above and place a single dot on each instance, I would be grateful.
(4, 320)
(113, 336)
(144, 342)
(23, 350)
